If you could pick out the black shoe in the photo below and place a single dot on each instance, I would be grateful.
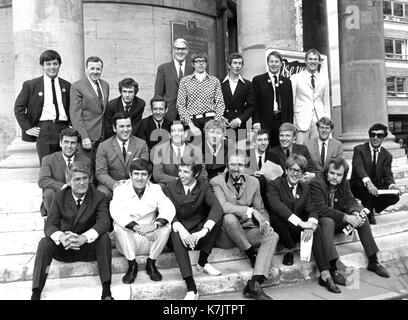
(338, 278)
(152, 271)
(107, 298)
(378, 269)
(330, 285)
(252, 260)
(131, 273)
(288, 259)
(253, 290)
(36, 295)
(372, 219)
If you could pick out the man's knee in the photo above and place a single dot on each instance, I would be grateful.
(230, 222)
(327, 224)
(46, 244)
(271, 237)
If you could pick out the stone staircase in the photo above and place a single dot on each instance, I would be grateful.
(21, 228)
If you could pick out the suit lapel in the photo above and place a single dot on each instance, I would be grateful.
(238, 89)
(227, 90)
(91, 89)
(174, 72)
(117, 149)
(131, 149)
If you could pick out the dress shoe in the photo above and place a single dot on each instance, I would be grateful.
(371, 219)
(330, 285)
(108, 298)
(191, 296)
(253, 290)
(209, 269)
(288, 259)
(378, 269)
(338, 278)
(152, 271)
(131, 273)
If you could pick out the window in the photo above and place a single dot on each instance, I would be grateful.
(395, 49)
(398, 9)
(395, 11)
(387, 7)
(396, 87)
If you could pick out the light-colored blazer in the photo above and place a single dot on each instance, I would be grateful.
(110, 166)
(333, 150)
(85, 109)
(307, 101)
(126, 206)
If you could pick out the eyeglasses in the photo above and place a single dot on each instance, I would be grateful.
(200, 61)
(295, 171)
(378, 135)
(180, 49)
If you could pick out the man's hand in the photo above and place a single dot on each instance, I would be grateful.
(256, 126)
(307, 176)
(307, 225)
(64, 238)
(194, 130)
(307, 234)
(186, 238)
(86, 144)
(145, 229)
(196, 236)
(258, 173)
(401, 189)
(235, 123)
(73, 241)
(372, 189)
(35, 132)
(264, 225)
(354, 220)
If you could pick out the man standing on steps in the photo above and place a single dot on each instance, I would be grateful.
(76, 230)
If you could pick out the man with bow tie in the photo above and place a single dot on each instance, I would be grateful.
(371, 170)
(246, 221)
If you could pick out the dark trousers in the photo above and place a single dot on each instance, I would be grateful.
(329, 228)
(100, 250)
(274, 131)
(289, 235)
(91, 154)
(204, 244)
(48, 140)
(369, 201)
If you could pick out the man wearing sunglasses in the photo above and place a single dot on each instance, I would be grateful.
(371, 171)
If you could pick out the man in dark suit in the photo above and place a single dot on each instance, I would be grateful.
(196, 225)
(336, 207)
(115, 155)
(291, 212)
(371, 170)
(324, 148)
(238, 95)
(76, 230)
(286, 147)
(127, 102)
(52, 172)
(274, 98)
(246, 221)
(42, 106)
(155, 128)
(169, 75)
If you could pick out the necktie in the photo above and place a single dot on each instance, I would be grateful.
(124, 151)
(374, 171)
(214, 147)
(178, 155)
(78, 203)
(69, 163)
(287, 153)
(323, 154)
(260, 163)
(291, 190)
(331, 199)
(275, 79)
(180, 71)
(98, 88)
(237, 184)
(54, 99)
(159, 126)
(127, 108)
(312, 81)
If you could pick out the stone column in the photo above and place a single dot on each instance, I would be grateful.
(39, 25)
(362, 72)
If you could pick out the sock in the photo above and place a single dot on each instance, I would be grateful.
(36, 295)
(152, 261)
(258, 278)
(325, 274)
(106, 292)
(191, 286)
(373, 258)
(333, 265)
(202, 260)
(250, 252)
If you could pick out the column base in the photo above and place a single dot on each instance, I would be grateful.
(21, 154)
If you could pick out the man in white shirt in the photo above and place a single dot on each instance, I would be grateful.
(142, 216)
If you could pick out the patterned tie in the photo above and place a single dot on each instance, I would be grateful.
(312, 81)
(323, 154)
(260, 163)
(54, 99)
(100, 96)
(180, 71)
(69, 163)
(78, 203)
(124, 150)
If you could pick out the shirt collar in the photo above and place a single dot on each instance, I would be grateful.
(177, 64)
(157, 123)
(124, 103)
(206, 75)
(372, 149)
(191, 187)
(120, 142)
(321, 141)
(211, 147)
(310, 74)
(93, 82)
(48, 79)
(76, 199)
(181, 147)
(66, 158)
(271, 75)
(239, 79)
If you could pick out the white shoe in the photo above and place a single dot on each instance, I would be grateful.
(209, 269)
(191, 296)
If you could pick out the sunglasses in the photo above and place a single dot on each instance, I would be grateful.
(378, 135)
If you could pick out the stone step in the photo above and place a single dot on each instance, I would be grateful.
(235, 274)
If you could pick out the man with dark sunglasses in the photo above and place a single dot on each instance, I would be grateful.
(371, 171)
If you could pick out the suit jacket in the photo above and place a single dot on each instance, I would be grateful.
(30, 101)
(236, 203)
(167, 85)
(148, 126)
(334, 149)
(265, 96)
(218, 166)
(86, 110)
(307, 101)
(253, 161)
(362, 163)
(135, 112)
(344, 201)
(241, 104)
(195, 208)
(110, 166)
(165, 170)
(52, 171)
(281, 202)
(279, 157)
(64, 215)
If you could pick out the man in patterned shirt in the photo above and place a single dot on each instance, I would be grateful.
(199, 97)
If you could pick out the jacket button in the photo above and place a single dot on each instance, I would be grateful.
(236, 110)
(227, 110)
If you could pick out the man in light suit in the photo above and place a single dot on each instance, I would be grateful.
(246, 221)
(52, 172)
(311, 97)
(115, 155)
(76, 230)
(324, 148)
(127, 102)
(89, 98)
(169, 75)
(41, 107)
(274, 98)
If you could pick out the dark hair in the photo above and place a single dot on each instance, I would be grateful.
(200, 54)
(118, 116)
(337, 164)
(325, 121)
(93, 59)
(141, 164)
(298, 159)
(235, 55)
(128, 83)
(158, 99)
(70, 132)
(195, 167)
(313, 51)
(50, 55)
(276, 54)
(263, 131)
(378, 126)
(76, 166)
